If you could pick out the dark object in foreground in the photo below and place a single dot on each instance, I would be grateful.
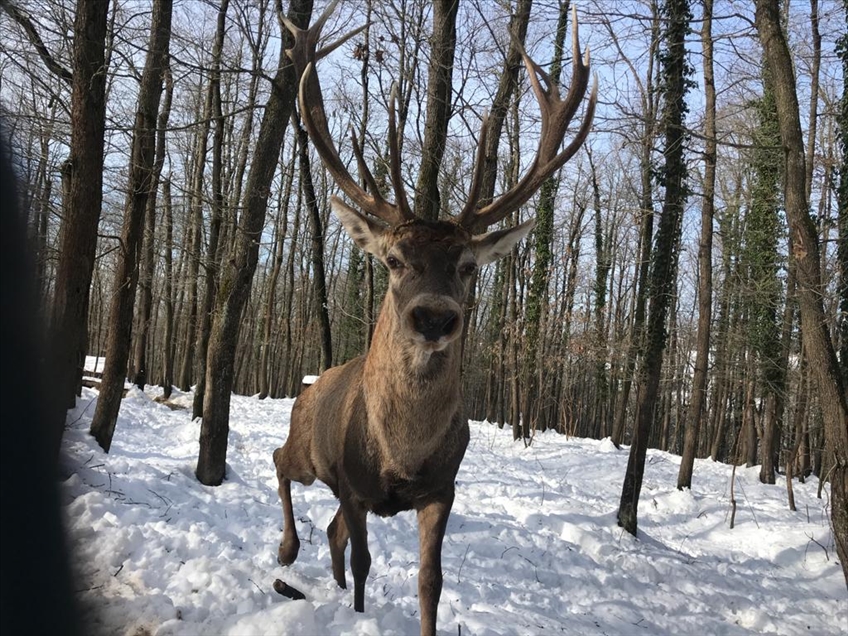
(33, 547)
(288, 591)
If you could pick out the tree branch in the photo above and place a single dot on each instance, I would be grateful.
(22, 18)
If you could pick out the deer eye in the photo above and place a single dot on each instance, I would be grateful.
(393, 263)
(467, 269)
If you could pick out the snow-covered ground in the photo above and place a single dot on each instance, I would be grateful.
(532, 546)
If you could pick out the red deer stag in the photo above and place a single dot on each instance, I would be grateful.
(386, 431)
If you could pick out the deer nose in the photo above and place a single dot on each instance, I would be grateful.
(434, 324)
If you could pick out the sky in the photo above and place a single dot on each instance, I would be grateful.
(532, 545)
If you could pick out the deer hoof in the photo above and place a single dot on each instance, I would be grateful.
(287, 552)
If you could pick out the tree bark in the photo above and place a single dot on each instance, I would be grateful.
(646, 232)
(84, 197)
(211, 266)
(319, 293)
(663, 258)
(140, 374)
(193, 252)
(542, 236)
(141, 188)
(816, 337)
(442, 49)
(168, 337)
(705, 263)
(602, 269)
(276, 266)
(237, 275)
(842, 207)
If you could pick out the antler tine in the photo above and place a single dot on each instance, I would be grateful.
(556, 116)
(363, 167)
(303, 56)
(306, 40)
(394, 153)
(477, 177)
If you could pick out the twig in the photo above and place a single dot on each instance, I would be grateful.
(90, 402)
(813, 539)
(732, 497)
(311, 525)
(164, 500)
(750, 507)
(459, 573)
(535, 567)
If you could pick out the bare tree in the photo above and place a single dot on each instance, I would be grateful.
(442, 49)
(83, 174)
(664, 255)
(705, 259)
(211, 264)
(141, 372)
(817, 342)
(648, 124)
(142, 185)
(237, 276)
(319, 293)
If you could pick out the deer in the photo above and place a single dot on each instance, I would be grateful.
(387, 431)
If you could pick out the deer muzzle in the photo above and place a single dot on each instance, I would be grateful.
(434, 320)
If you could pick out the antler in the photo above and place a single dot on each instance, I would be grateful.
(556, 116)
(303, 55)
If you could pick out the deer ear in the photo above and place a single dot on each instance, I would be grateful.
(488, 248)
(365, 232)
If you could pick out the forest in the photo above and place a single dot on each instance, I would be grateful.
(685, 287)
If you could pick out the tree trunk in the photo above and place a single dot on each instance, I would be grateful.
(442, 49)
(664, 255)
(319, 294)
(169, 343)
(602, 269)
(212, 254)
(84, 196)
(189, 282)
(276, 267)
(140, 189)
(842, 214)
(705, 263)
(141, 372)
(542, 239)
(237, 276)
(514, 389)
(504, 97)
(817, 342)
(646, 211)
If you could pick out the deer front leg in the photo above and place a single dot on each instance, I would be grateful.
(360, 557)
(432, 521)
(289, 544)
(338, 536)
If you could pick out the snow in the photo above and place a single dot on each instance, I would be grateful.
(532, 545)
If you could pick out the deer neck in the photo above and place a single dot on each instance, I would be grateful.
(412, 397)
